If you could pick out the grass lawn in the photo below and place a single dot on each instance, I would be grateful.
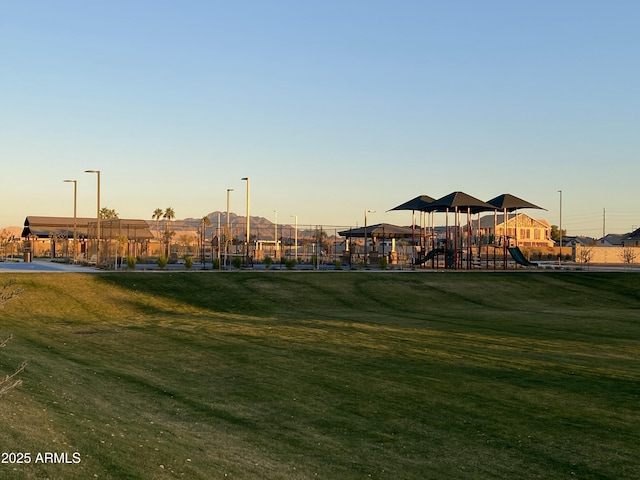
(334, 375)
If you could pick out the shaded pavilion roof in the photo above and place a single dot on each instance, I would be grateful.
(46, 227)
(509, 202)
(417, 203)
(458, 200)
(380, 230)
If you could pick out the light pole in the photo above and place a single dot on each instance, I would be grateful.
(75, 204)
(275, 238)
(295, 236)
(97, 172)
(560, 258)
(366, 251)
(248, 217)
(226, 237)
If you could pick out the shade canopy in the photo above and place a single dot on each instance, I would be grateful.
(509, 202)
(47, 227)
(380, 230)
(418, 203)
(458, 200)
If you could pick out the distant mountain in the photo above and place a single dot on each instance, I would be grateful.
(260, 226)
(234, 220)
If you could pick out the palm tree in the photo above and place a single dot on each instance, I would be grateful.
(157, 215)
(108, 213)
(169, 214)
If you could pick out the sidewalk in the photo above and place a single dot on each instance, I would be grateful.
(43, 266)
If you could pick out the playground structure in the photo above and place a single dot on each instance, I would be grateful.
(460, 247)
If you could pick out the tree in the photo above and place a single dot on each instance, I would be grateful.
(585, 254)
(628, 255)
(108, 213)
(169, 215)
(9, 382)
(157, 215)
(5, 239)
(555, 233)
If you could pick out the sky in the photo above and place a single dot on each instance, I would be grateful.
(331, 108)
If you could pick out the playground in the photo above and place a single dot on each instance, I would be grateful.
(465, 244)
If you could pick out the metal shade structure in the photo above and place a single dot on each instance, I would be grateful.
(380, 230)
(509, 202)
(418, 203)
(459, 201)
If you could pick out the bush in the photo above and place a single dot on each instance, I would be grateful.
(131, 262)
(188, 262)
(268, 261)
(236, 262)
(215, 263)
(290, 263)
(162, 261)
(384, 263)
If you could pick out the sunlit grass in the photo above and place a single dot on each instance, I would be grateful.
(325, 375)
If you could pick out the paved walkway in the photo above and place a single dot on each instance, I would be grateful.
(44, 266)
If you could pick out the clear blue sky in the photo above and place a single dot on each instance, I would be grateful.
(331, 107)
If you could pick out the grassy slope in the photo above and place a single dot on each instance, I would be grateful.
(325, 375)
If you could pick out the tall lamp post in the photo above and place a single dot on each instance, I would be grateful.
(248, 217)
(75, 204)
(366, 251)
(295, 236)
(275, 238)
(228, 235)
(97, 172)
(560, 259)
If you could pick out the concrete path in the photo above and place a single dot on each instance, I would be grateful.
(44, 266)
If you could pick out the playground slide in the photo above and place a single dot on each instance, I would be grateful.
(519, 257)
(429, 256)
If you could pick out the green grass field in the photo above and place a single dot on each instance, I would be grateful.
(334, 375)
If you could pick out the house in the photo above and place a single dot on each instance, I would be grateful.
(611, 240)
(528, 231)
(631, 239)
(578, 240)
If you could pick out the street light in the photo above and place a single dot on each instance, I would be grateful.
(295, 237)
(75, 203)
(560, 259)
(226, 237)
(275, 238)
(248, 218)
(366, 251)
(97, 172)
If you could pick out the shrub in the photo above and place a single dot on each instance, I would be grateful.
(215, 263)
(384, 263)
(188, 262)
(337, 265)
(290, 263)
(268, 261)
(162, 261)
(236, 262)
(131, 262)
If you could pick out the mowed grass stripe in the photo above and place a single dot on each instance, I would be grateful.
(326, 374)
